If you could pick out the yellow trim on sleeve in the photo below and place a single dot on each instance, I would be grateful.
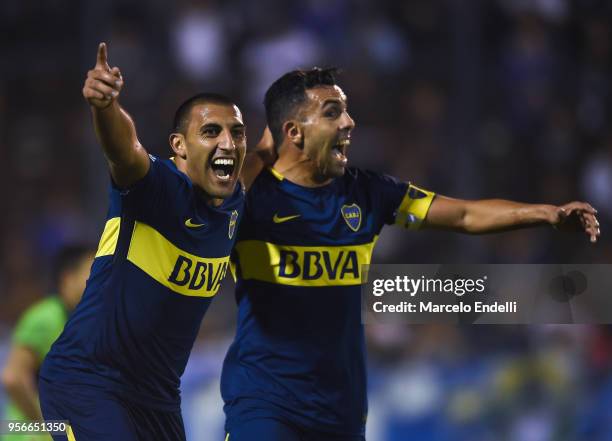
(110, 235)
(414, 207)
(70, 433)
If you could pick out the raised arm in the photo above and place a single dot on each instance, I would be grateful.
(263, 155)
(494, 215)
(127, 159)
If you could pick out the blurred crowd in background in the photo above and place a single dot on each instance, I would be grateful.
(467, 98)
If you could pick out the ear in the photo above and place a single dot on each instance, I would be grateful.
(293, 132)
(177, 142)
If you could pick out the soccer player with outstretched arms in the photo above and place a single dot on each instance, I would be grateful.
(296, 369)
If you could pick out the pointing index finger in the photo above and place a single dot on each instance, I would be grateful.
(101, 61)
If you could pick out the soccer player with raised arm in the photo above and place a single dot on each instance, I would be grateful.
(296, 370)
(114, 373)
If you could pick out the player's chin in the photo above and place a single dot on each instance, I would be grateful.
(220, 191)
(336, 170)
(220, 186)
(336, 166)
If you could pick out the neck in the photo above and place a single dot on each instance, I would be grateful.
(298, 168)
(215, 202)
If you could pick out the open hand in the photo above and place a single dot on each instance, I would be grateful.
(576, 216)
(103, 84)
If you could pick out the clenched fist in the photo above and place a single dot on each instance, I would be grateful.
(103, 84)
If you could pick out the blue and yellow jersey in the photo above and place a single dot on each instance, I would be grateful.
(299, 350)
(160, 261)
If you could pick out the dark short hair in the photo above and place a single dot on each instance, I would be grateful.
(181, 117)
(69, 258)
(288, 93)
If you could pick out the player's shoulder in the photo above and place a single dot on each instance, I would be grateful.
(365, 177)
(48, 305)
(265, 182)
(163, 174)
(168, 167)
(46, 310)
(268, 176)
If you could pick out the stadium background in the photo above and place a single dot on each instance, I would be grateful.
(468, 98)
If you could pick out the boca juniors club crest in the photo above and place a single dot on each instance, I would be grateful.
(352, 216)
(232, 224)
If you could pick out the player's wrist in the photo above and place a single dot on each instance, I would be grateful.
(103, 106)
(549, 214)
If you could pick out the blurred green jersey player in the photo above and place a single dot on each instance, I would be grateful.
(34, 333)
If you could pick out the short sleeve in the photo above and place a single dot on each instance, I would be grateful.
(388, 193)
(413, 208)
(399, 202)
(156, 189)
(38, 328)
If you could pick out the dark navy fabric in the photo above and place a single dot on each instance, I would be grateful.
(96, 415)
(299, 352)
(133, 331)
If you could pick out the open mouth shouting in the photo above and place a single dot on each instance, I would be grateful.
(223, 168)
(339, 151)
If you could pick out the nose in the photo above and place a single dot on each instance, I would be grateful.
(347, 122)
(226, 141)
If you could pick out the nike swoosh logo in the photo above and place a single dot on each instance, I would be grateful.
(279, 220)
(190, 224)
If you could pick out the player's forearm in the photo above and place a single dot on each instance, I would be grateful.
(115, 129)
(261, 156)
(252, 166)
(116, 133)
(495, 215)
(254, 162)
(24, 395)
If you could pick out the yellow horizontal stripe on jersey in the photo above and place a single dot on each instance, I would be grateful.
(108, 241)
(303, 266)
(413, 210)
(178, 270)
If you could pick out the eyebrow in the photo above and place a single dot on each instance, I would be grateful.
(332, 101)
(337, 101)
(217, 125)
(208, 125)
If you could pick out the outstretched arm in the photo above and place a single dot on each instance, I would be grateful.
(128, 161)
(263, 155)
(494, 215)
